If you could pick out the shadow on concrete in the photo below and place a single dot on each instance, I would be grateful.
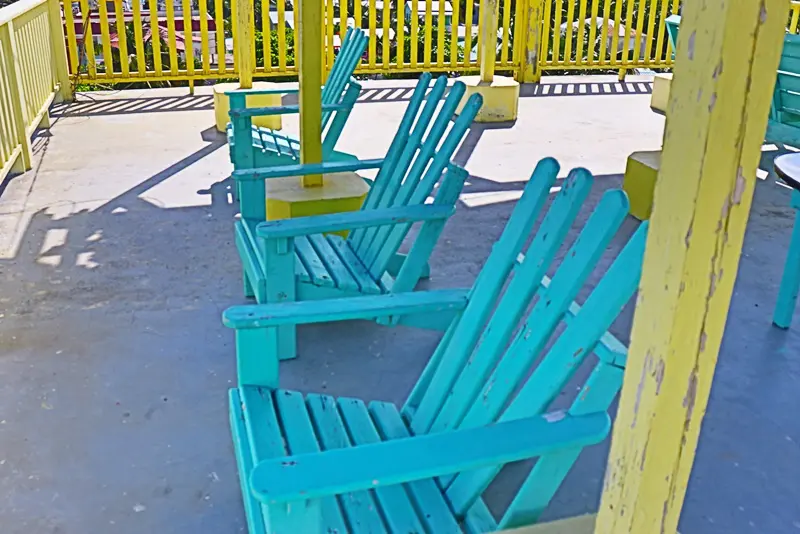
(87, 105)
(585, 89)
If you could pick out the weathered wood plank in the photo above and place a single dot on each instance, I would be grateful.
(725, 67)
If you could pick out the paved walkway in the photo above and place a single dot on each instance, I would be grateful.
(117, 259)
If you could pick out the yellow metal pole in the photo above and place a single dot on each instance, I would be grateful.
(488, 39)
(309, 65)
(244, 14)
(719, 101)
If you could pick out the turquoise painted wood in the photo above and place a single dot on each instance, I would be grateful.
(298, 259)
(790, 280)
(269, 147)
(515, 341)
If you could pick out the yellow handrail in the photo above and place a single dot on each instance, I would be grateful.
(33, 74)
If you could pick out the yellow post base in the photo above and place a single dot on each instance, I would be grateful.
(222, 105)
(500, 98)
(660, 96)
(341, 191)
(640, 182)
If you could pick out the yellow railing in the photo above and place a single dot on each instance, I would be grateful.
(406, 36)
(33, 72)
(606, 34)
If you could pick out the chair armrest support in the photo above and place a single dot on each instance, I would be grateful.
(303, 169)
(351, 220)
(336, 471)
(343, 309)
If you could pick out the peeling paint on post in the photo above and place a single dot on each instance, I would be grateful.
(726, 59)
(530, 70)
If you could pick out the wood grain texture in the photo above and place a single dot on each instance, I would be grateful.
(719, 101)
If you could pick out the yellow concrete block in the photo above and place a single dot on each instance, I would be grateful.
(660, 96)
(500, 98)
(341, 191)
(222, 105)
(639, 183)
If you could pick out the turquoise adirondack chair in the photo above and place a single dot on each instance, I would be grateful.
(298, 259)
(314, 463)
(267, 147)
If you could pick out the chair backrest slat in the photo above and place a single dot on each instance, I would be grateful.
(408, 139)
(516, 299)
(388, 239)
(444, 367)
(548, 310)
(395, 151)
(340, 116)
(559, 365)
(353, 46)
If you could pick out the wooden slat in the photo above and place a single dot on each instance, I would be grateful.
(373, 36)
(414, 36)
(344, 468)
(712, 149)
(105, 37)
(560, 363)
(333, 263)
(171, 38)
(365, 281)
(155, 37)
(301, 439)
(385, 20)
(138, 38)
(314, 265)
(581, 33)
(205, 54)
(461, 341)
(345, 308)
(570, 31)
(266, 35)
(400, 35)
(556, 31)
(426, 56)
(440, 36)
(515, 301)
(244, 460)
(396, 507)
(122, 37)
(427, 497)
(359, 507)
(72, 41)
(404, 141)
(405, 175)
(220, 25)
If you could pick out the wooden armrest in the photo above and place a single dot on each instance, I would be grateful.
(336, 471)
(280, 110)
(343, 309)
(274, 91)
(303, 169)
(335, 222)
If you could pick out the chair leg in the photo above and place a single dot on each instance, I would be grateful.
(287, 342)
(397, 262)
(790, 281)
(249, 292)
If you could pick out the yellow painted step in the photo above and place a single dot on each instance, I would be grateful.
(639, 183)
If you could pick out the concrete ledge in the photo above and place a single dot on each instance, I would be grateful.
(222, 105)
(500, 98)
(341, 191)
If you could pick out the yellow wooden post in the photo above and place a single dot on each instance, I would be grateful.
(309, 65)
(244, 14)
(58, 51)
(488, 39)
(530, 70)
(725, 71)
(18, 102)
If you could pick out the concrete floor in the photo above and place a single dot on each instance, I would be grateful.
(117, 259)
